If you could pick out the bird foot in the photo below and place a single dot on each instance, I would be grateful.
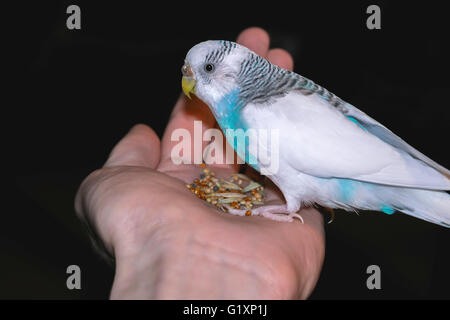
(277, 213)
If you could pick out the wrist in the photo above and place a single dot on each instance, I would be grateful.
(177, 264)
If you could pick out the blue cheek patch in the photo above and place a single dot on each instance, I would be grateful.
(228, 116)
(227, 110)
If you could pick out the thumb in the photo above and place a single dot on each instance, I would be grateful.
(139, 147)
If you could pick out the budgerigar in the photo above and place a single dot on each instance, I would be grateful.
(330, 153)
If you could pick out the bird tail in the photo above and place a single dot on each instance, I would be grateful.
(429, 205)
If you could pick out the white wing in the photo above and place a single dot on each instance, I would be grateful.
(318, 139)
(389, 137)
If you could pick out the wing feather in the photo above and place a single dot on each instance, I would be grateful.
(318, 138)
(389, 137)
(307, 87)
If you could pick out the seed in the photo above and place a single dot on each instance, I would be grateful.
(242, 176)
(251, 186)
(228, 195)
(225, 200)
(229, 185)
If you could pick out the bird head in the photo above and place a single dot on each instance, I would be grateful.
(211, 69)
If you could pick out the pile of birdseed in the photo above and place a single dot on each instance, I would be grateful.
(239, 192)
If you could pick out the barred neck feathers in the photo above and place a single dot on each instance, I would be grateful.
(242, 77)
(260, 82)
(219, 54)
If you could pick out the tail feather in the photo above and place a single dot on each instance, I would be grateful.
(432, 206)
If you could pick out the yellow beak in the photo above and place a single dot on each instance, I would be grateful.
(188, 85)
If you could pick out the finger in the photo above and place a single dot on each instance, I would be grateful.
(184, 116)
(256, 39)
(139, 147)
(281, 58)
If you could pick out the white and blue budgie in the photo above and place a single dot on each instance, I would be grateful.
(330, 152)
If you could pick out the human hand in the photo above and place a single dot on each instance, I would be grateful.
(167, 244)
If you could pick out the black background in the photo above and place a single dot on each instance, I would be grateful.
(78, 92)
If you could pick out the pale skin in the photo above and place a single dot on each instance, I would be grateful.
(167, 244)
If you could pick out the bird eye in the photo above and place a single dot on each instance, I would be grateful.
(209, 67)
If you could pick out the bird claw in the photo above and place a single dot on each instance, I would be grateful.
(276, 213)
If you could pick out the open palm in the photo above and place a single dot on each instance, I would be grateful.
(168, 244)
